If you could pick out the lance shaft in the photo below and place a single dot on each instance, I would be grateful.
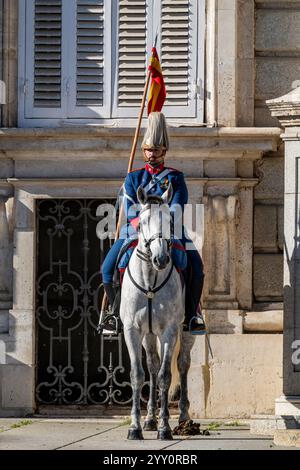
(130, 164)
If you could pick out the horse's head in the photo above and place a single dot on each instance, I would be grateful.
(155, 227)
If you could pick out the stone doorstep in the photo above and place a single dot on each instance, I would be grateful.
(287, 437)
(268, 425)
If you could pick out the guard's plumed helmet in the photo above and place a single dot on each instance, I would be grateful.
(156, 135)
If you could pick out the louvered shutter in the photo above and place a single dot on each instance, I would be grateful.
(68, 59)
(133, 38)
(178, 47)
(131, 52)
(178, 55)
(43, 67)
(89, 63)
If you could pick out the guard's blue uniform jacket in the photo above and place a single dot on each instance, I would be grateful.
(155, 181)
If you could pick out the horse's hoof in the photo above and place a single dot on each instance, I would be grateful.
(165, 435)
(135, 434)
(150, 425)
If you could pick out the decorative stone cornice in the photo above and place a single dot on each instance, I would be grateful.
(92, 142)
(286, 108)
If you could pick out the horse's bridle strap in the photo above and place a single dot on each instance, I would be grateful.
(149, 293)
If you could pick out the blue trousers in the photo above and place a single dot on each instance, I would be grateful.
(109, 264)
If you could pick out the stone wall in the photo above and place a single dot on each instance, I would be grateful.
(277, 53)
(243, 377)
(268, 230)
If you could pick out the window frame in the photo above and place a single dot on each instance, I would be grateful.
(55, 117)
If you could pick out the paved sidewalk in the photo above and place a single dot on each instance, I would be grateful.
(110, 434)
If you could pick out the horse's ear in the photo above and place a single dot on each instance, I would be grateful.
(141, 195)
(168, 194)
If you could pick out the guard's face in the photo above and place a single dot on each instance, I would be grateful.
(154, 156)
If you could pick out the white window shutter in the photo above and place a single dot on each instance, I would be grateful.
(178, 56)
(178, 42)
(89, 61)
(131, 49)
(42, 85)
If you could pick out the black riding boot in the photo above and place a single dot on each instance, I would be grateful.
(193, 318)
(110, 292)
(113, 296)
(113, 321)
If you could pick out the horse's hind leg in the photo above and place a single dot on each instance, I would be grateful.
(168, 341)
(184, 362)
(150, 346)
(137, 376)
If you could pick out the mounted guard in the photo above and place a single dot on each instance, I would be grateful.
(155, 179)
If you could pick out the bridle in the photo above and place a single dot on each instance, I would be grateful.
(146, 255)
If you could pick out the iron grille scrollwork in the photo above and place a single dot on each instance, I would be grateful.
(75, 364)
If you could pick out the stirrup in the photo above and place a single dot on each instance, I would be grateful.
(110, 325)
(197, 325)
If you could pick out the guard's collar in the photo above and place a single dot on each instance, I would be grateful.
(156, 170)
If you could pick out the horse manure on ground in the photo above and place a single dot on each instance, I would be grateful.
(189, 428)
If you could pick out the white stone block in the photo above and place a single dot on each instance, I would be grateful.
(292, 167)
(20, 344)
(224, 321)
(280, 215)
(277, 30)
(265, 227)
(243, 378)
(245, 169)
(24, 269)
(265, 321)
(263, 118)
(271, 173)
(287, 437)
(17, 386)
(275, 77)
(268, 277)
(220, 168)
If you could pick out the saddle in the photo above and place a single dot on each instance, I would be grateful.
(180, 261)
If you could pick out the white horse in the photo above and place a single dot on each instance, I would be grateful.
(152, 306)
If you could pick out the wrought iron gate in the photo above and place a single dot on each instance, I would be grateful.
(74, 364)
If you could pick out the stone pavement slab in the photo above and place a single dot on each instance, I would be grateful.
(111, 434)
(51, 434)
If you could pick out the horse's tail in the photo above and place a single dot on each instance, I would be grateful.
(175, 383)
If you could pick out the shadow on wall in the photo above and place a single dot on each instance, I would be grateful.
(292, 296)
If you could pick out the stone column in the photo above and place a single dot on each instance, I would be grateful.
(287, 110)
(5, 258)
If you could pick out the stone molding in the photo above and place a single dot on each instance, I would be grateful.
(101, 142)
(287, 108)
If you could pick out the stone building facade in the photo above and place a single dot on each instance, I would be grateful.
(234, 165)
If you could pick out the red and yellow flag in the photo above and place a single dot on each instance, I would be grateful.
(157, 93)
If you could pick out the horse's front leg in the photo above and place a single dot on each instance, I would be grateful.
(168, 341)
(184, 362)
(137, 376)
(153, 368)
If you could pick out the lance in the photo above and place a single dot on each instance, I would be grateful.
(130, 165)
